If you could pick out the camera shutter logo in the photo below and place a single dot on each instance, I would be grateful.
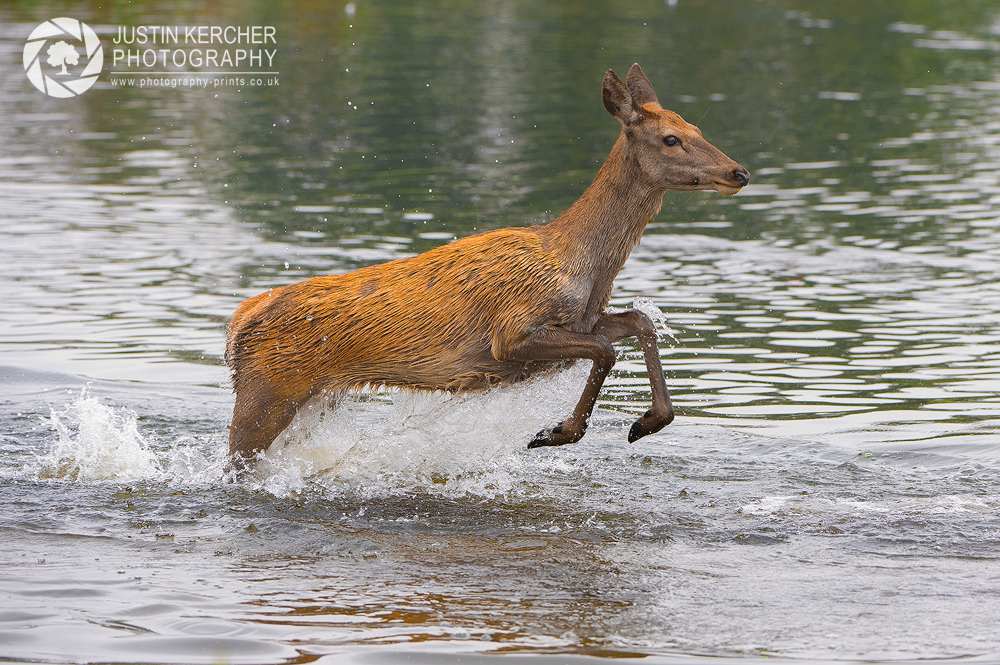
(50, 48)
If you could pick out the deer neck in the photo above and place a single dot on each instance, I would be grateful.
(597, 233)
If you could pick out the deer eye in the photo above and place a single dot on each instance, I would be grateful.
(671, 140)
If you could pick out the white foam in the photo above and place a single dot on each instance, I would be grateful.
(432, 440)
(766, 506)
(946, 504)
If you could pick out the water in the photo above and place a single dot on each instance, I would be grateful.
(830, 489)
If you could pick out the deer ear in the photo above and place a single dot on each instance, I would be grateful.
(640, 87)
(618, 100)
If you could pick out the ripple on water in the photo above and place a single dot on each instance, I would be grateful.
(917, 335)
(622, 543)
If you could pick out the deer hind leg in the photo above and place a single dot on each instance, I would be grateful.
(263, 410)
(551, 343)
(616, 327)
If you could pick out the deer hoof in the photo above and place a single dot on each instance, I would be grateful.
(649, 423)
(541, 440)
(557, 436)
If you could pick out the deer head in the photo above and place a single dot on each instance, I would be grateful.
(671, 152)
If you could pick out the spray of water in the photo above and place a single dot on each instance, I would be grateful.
(370, 443)
(418, 440)
(95, 442)
(656, 315)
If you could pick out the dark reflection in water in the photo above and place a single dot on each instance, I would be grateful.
(829, 488)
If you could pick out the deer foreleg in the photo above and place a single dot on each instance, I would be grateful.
(633, 323)
(553, 343)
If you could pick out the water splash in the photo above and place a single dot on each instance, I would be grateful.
(656, 315)
(97, 443)
(405, 440)
(365, 444)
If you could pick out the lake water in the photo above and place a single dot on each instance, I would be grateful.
(830, 489)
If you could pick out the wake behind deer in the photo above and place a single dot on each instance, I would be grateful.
(493, 308)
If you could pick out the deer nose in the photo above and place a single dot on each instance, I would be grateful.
(742, 176)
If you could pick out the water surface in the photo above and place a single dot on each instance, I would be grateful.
(830, 489)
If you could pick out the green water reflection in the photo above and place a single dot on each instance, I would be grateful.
(484, 115)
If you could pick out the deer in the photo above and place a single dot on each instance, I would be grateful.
(494, 308)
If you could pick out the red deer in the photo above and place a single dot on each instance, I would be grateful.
(492, 308)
